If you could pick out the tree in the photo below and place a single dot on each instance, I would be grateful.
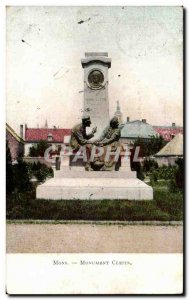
(33, 151)
(41, 171)
(149, 165)
(21, 176)
(177, 183)
(150, 146)
(9, 170)
(39, 149)
(179, 174)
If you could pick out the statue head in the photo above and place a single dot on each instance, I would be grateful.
(114, 123)
(86, 121)
(95, 77)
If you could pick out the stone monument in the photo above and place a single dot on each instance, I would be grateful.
(96, 103)
(72, 182)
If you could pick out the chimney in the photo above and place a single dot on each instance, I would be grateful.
(22, 131)
(128, 119)
(24, 134)
(144, 120)
(173, 124)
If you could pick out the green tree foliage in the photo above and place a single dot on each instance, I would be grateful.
(40, 171)
(179, 174)
(33, 151)
(39, 149)
(9, 170)
(163, 172)
(149, 165)
(177, 182)
(146, 149)
(149, 146)
(173, 174)
(136, 166)
(18, 176)
(21, 176)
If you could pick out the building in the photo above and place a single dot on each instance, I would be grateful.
(132, 130)
(15, 142)
(118, 113)
(54, 136)
(171, 151)
(168, 132)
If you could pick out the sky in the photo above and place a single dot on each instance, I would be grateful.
(44, 76)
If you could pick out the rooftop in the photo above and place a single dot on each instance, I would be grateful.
(173, 148)
(167, 132)
(37, 134)
(135, 129)
(13, 133)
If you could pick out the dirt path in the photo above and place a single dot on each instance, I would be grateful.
(86, 238)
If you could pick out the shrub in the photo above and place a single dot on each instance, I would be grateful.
(21, 176)
(41, 171)
(9, 171)
(150, 146)
(149, 165)
(136, 166)
(153, 177)
(177, 182)
(18, 176)
(39, 149)
(163, 172)
(179, 173)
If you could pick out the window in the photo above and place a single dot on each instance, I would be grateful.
(50, 137)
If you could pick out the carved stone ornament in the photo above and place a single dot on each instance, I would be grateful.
(95, 79)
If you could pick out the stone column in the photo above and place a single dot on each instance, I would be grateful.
(125, 159)
(65, 161)
(96, 104)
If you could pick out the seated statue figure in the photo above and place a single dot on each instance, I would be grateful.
(79, 137)
(110, 138)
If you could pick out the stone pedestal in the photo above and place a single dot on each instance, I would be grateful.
(71, 183)
(76, 183)
(89, 188)
(79, 172)
(65, 162)
(125, 164)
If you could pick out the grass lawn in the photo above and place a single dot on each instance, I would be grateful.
(166, 206)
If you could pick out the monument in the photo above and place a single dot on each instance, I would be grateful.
(96, 65)
(98, 178)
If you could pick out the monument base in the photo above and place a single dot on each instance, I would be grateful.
(89, 186)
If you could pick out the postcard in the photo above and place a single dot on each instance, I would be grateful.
(94, 150)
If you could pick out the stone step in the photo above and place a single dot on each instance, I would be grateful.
(98, 189)
(93, 174)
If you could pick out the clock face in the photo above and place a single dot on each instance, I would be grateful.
(96, 79)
